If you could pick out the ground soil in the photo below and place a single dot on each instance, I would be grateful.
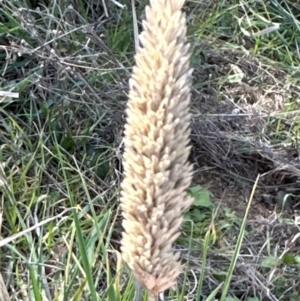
(233, 137)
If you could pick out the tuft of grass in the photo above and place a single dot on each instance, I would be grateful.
(61, 146)
(58, 151)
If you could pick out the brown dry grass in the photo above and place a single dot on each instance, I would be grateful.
(4, 296)
(73, 98)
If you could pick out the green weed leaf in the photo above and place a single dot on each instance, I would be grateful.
(270, 262)
(202, 196)
(289, 259)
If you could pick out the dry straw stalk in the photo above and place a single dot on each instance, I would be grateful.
(156, 167)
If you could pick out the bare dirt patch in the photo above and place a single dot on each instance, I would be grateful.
(235, 128)
(243, 127)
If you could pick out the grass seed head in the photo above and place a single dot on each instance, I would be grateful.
(156, 167)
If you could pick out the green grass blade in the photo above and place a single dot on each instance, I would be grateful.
(207, 240)
(238, 245)
(85, 260)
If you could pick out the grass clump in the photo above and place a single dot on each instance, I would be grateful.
(61, 147)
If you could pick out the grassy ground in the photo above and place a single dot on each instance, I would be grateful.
(61, 146)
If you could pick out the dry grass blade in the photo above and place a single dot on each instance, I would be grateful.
(7, 240)
(4, 296)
